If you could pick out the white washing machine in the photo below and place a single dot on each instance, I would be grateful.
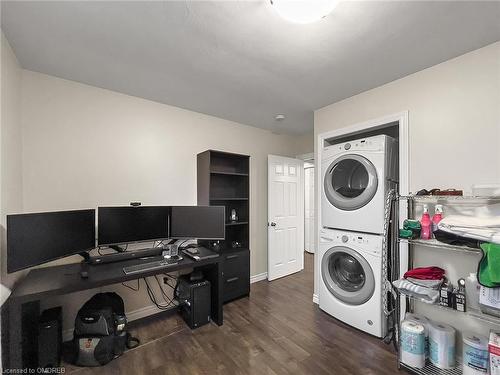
(350, 287)
(356, 177)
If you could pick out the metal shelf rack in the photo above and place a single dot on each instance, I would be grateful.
(430, 369)
(414, 200)
(441, 245)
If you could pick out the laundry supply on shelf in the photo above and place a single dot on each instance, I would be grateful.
(489, 301)
(426, 224)
(474, 354)
(442, 345)
(425, 273)
(494, 352)
(455, 240)
(489, 265)
(413, 343)
(425, 323)
(427, 295)
(459, 296)
(439, 192)
(411, 229)
(446, 295)
(472, 289)
(437, 217)
(483, 224)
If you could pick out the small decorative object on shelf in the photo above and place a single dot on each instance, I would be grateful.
(234, 217)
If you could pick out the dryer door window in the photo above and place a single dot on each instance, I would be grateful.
(350, 182)
(347, 275)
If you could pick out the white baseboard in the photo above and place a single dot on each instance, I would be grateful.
(142, 312)
(258, 277)
(315, 299)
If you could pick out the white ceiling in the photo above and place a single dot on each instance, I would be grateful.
(240, 60)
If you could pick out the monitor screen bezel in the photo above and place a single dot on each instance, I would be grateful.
(10, 216)
(169, 210)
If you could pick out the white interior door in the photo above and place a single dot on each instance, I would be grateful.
(285, 250)
(309, 207)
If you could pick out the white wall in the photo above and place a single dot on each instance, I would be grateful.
(454, 121)
(10, 146)
(10, 149)
(84, 147)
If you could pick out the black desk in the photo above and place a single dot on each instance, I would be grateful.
(50, 281)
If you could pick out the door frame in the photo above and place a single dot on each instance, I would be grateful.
(404, 178)
(309, 158)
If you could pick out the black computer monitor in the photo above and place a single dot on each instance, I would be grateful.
(121, 225)
(37, 238)
(200, 222)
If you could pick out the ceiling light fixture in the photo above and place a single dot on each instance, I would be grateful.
(279, 117)
(304, 11)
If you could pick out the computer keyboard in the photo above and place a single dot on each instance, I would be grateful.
(137, 268)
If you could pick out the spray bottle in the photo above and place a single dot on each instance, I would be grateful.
(426, 224)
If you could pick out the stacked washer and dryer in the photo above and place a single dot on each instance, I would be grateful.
(356, 178)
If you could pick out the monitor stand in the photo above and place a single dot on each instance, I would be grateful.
(118, 257)
(84, 270)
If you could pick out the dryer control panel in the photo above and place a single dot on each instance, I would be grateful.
(376, 143)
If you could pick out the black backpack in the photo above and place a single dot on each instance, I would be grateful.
(100, 333)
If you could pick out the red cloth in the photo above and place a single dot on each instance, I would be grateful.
(425, 273)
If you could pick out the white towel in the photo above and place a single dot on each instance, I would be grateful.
(483, 224)
(425, 294)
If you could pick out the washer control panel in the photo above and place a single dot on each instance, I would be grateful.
(358, 240)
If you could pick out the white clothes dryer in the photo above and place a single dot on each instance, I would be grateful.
(356, 177)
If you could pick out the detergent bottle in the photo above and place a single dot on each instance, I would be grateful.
(436, 218)
(425, 224)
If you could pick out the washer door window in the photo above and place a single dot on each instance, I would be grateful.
(347, 275)
(350, 182)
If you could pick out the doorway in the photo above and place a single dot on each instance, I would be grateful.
(309, 193)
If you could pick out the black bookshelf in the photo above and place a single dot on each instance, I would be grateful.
(223, 180)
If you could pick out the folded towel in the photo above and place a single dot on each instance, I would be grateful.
(427, 295)
(432, 284)
(489, 266)
(484, 226)
(425, 273)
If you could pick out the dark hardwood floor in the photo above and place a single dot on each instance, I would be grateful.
(278, 330)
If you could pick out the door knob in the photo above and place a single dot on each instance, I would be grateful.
(273, 224)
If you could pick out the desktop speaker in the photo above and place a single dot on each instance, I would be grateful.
(50, 338)
(194, 297)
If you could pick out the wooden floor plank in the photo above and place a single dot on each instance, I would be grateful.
(278, 330)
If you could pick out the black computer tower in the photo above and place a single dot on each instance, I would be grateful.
(50, 338)
(194, 297)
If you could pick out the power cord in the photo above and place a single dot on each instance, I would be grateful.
(153, 299)
(132, 288)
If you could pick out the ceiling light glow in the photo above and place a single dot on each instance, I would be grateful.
(304, 11)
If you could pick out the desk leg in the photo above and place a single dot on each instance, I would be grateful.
(22, 321)
(14, 336)
(214, 275)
